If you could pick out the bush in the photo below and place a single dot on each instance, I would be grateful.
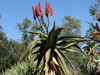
(23, 68)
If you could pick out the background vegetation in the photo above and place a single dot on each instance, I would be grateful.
(11, 50)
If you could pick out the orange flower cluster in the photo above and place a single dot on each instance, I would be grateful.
(98, 18)
(34, 14)
(37, 11)
(97, 15)
(96, 35)
(97, 25)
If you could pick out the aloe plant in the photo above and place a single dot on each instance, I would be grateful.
(93, 58)
(49, 47)
(92, 53)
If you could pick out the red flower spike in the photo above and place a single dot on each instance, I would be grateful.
(94, 34)
(97, 25)
(48, 7)
(39, 7)
(34, 13)
(46, 13)
(51, 12)
(46, 4)
(33, 9)
(41, 14)
(37, 11)
(97, 15)
(35, 17)
(42, 17)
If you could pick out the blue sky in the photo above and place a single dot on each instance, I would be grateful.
(14, 11)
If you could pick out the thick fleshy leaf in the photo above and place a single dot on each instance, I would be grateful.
(56, 34)
(54, 66)
(95, 46)
(68, 41)
(25, 52)
(28, 50)
(79, 49)
(64, 43)
(80, 40)
(68, 37)
(55, 61)
(33, 44)
(43, 36)
(68, 60)
(63, 63)
(94, 26)
(58, 31)
(50, 36)
(95, 39)
(40, 50)
(69, 45)
(40, 53)
(34, 32)
(47, 59)
(44, 42)
(39, 58)
(71, 50)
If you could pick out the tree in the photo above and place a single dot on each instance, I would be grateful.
(27, 25)
(3, 46)
(24, 26)
(94, 8)
(71, 26)
(10, 51)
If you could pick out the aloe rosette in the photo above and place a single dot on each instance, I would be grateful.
(49, 47)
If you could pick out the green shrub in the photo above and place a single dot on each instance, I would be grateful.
(18, 69)
(23, 68)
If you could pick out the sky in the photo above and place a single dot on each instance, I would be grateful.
(14, 11)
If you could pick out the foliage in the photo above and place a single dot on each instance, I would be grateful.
(92, 53)
(3, 50)
(10, 51)
(18, 69)
(23, 68)
(48, 50)
(94, 8)
(71, 26)
(27, 25)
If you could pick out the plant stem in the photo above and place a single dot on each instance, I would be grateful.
(42, 30)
